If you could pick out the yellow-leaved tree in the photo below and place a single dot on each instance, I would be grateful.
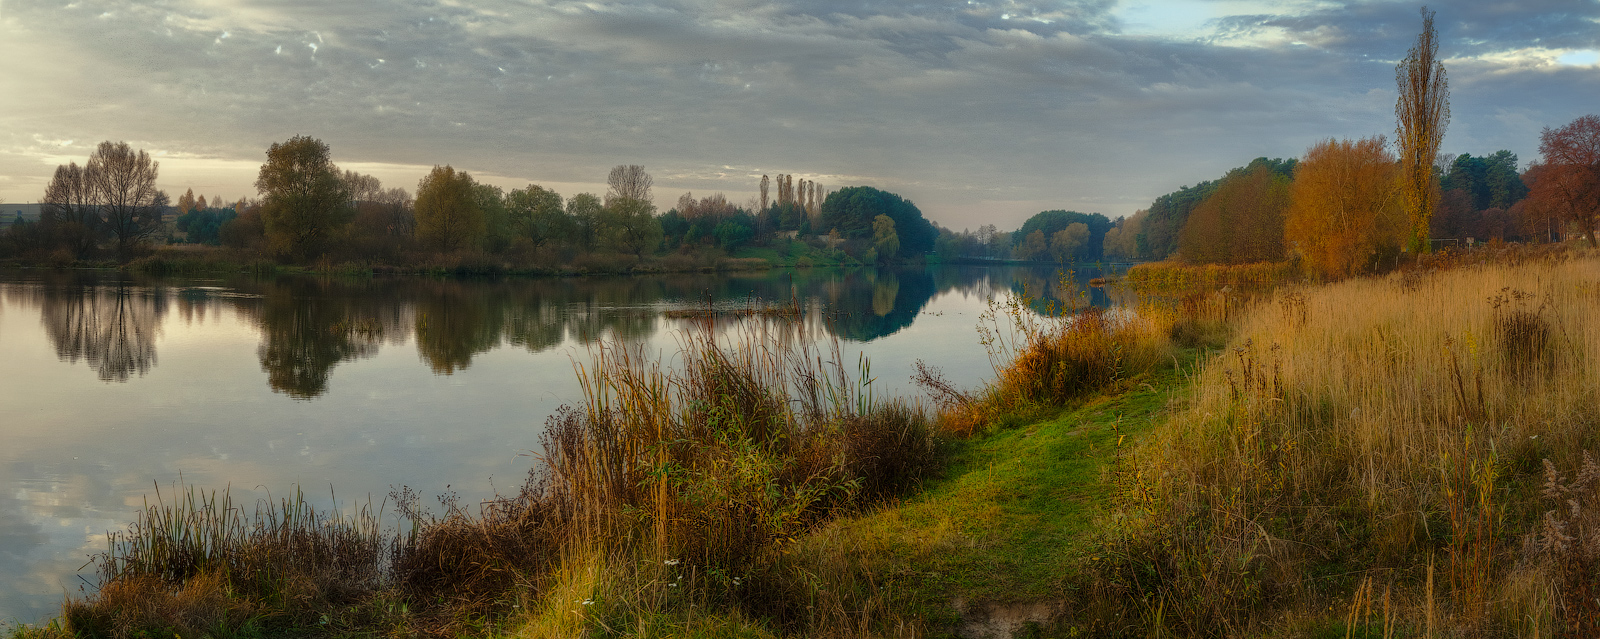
(1345, 208)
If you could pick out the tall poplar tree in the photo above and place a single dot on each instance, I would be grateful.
(1422, 114)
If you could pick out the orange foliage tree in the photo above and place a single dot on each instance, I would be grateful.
(1242, 221)
(1345, 205)
(1566, 183)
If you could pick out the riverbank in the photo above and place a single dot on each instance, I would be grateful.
(1369, 456)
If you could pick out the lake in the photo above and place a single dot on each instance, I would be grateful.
(112, 384)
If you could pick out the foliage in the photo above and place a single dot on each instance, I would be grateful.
(884, 238)
(203, 226)
(1422, 113)
(1566, 183)
(449, 214)
(1344, 210)
(1051, 223)
(630, 226)
(304, 201)
(536, 213)
(1241, 221)
(851, 211)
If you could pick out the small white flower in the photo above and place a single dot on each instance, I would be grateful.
(671, 562)
(588, 602)
(672, 585)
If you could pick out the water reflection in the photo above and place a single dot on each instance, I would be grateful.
(308, 326)
(306, 330)
(112, 328)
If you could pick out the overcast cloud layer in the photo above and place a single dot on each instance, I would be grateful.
(978, 111)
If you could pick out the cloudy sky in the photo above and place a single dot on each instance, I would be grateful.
(978, 111)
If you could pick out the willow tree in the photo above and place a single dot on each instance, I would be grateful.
(1422, 114)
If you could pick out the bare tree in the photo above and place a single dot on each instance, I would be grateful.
(764, 182)
(628, 181)
(71, 209)
(362, 188)
(130, 204)
(1422, 114)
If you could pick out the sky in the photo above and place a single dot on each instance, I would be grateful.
(979, 112)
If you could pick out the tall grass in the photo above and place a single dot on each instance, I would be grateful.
(673, 490)
(193, 563)
(1046, 353)
(1158, 275)
(1375, 428)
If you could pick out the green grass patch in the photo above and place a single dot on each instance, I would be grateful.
(1012, 519)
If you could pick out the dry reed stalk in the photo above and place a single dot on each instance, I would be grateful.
(1332, 414)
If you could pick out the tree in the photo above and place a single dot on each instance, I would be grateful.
(448, 214)
(1064, 244)
(1053, 222)
(585, 210)
(1567, 180)
(125, 182)
(853, 209)
(186, 202)
(628, 181)
(304, 201)
(1241, 221)
(536, 214)
(71, 211)
(491, 200)
(1034, 248)
(1422, 113)
(765, 182)
(631, 226)
(1345, 205)
(884, 238)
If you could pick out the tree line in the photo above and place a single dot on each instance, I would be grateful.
(308, 211)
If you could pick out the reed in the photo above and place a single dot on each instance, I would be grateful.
(668, 492)
(1359, 429)
(1170, 274)
(1046, 354)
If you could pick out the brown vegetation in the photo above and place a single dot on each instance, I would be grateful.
(1394, 430)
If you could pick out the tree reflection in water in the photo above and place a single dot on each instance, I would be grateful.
(306, 330)
(309, 325)
(112, 327)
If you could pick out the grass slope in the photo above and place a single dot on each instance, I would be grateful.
(1012, 519)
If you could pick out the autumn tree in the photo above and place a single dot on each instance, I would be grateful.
(130, 204)
(71, 209)
(448, 215)
(186, 202)
(1241, 221)
(304, 201)
(1422, 114)
(1064, 244)
(1345, 205)
(765, 183)
(1034, 247)
(1566, 182)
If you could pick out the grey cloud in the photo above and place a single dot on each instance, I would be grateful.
(953, 102)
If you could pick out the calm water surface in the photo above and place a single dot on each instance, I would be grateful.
(111, 384)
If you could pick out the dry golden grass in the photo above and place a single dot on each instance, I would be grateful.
(1358, 430)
